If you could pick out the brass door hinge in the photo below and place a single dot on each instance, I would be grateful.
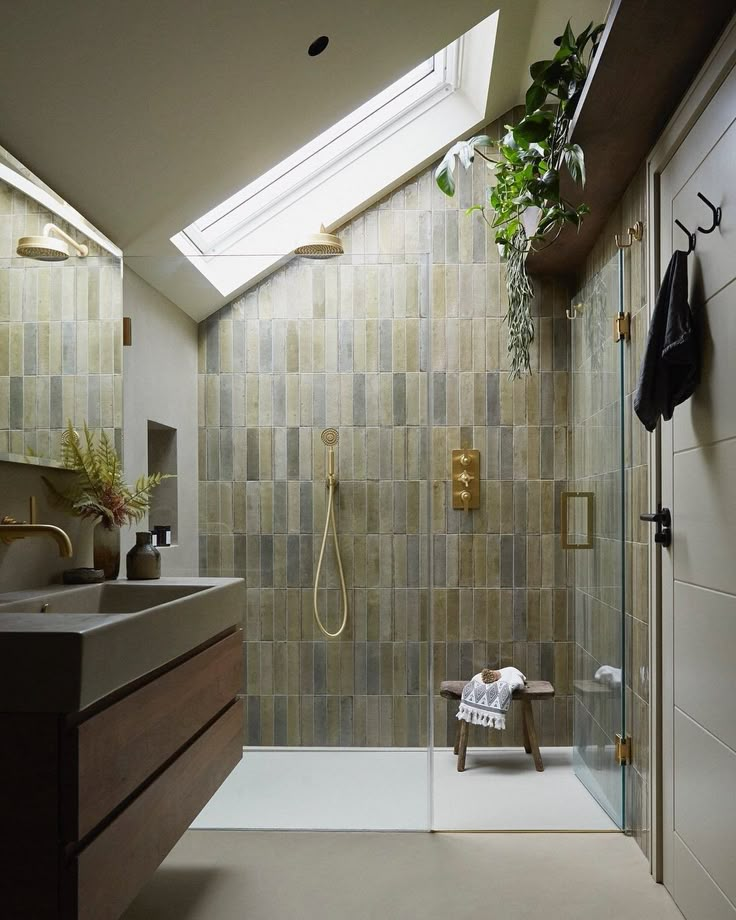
(622, 327)
(623, 749)
(127, 330)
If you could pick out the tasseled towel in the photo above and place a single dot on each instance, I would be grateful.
(487, 704)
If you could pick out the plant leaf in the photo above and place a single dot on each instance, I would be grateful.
(463, 151)
(575, 162)
(481, 140)
(444, 178)
(566, 43)
(595, 35)
(539, 69)
(533, 128)
(536, 96)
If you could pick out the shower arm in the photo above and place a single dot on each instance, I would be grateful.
(53, 230)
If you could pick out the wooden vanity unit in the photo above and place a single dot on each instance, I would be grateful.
(91, 801)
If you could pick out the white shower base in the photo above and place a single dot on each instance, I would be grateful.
(501, 790)
(388, 789)
(322, 789)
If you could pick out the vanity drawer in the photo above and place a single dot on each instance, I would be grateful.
(107, 874)
(119, 748)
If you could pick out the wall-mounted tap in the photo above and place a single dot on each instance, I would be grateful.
(11, 530)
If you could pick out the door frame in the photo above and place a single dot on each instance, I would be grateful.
(717, 66)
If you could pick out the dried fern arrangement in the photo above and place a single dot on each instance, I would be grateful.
(100, 491)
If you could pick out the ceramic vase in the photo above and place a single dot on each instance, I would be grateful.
(143, 560)
(106, 550)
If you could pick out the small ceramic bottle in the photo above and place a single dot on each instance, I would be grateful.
(143, 560)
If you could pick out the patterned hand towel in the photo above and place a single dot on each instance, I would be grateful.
(487, 704)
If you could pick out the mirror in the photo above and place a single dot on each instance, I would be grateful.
(60, 336)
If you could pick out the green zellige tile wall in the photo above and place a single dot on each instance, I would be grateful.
(372, 344)
(60, 338)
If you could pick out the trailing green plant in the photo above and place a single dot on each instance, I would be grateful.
(100, 490)
(528, 208)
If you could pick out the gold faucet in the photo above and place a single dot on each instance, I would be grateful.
(11, 530)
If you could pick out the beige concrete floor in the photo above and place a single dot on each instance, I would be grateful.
(262, 875)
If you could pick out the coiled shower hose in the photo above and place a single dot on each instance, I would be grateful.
(329, 436)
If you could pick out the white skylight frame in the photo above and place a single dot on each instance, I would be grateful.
(216, 231)
(220, 222)
(253, 231)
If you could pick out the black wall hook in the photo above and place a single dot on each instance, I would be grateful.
(716, 215)
(690, 237)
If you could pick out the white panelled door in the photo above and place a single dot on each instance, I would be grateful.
(699, 568)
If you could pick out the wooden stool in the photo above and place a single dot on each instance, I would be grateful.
(534, 690)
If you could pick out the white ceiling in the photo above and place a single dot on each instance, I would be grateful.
(144, 114)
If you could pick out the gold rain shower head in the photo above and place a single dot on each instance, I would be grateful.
(52, 246)
(322, 245)
(330, 437)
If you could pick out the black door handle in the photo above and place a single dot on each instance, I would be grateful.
(663, 519)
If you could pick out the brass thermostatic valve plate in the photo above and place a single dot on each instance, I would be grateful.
(465, 479)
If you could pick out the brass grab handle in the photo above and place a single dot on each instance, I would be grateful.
(565, 541)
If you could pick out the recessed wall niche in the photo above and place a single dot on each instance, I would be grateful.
(164, 510)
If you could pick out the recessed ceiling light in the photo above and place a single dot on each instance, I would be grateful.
(318, 46)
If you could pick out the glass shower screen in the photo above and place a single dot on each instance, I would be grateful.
(593, 529)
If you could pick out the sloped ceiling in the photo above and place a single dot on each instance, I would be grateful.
(143, 114)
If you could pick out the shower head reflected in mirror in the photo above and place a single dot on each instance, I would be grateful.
(52, 246)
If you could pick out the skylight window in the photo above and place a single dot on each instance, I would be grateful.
(318, 183)
(243, 211)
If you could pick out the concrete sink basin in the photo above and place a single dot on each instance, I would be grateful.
(64, 648)
(106, 598)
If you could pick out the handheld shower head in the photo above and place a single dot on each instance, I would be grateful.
(330, 438)
(52, 246)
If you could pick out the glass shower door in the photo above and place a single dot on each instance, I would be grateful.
(593, 528)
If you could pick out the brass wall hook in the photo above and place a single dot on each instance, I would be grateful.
(634, 233)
